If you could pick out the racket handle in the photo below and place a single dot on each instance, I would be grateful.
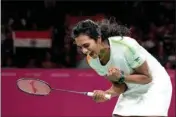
(108, 96)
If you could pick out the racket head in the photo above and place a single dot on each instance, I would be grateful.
(34, 86)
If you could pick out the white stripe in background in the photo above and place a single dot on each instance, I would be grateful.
(39, 43)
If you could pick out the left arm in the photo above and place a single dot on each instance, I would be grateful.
(137, 61)
(141, 75)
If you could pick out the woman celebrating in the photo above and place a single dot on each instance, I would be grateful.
(141, 82)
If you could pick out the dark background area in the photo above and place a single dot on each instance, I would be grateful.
(152, 24)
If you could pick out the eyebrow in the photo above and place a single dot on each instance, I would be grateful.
(80, 45)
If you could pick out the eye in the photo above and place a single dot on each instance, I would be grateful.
(86, 45)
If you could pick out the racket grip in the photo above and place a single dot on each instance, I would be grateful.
(108, 96)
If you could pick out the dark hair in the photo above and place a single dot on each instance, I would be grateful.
(105, 29)
(87, 27)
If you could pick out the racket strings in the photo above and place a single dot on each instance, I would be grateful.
(33, 88)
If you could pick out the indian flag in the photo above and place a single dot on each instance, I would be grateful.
(38, 39)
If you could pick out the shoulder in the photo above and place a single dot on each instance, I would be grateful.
(121, 44)
(122, 40)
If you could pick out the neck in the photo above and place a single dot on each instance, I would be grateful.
(104, 53)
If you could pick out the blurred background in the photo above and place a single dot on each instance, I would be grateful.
(36, 34)
(36, 43)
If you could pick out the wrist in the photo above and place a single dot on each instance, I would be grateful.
(122, 78)
(111, 92)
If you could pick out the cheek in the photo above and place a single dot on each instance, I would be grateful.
(94, 48)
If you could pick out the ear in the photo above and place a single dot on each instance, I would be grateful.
(99, 40)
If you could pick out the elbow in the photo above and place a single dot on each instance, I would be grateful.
(145, 81)
(148, 80)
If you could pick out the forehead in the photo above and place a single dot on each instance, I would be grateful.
(82, 39)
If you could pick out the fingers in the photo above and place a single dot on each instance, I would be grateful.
(99, 96)
(114, 72)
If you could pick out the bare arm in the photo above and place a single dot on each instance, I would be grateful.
(116, 89)
(141, 75)
(136, 59)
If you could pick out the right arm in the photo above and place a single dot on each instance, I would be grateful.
(116, 89)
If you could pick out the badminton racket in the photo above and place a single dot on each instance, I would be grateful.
(41, 88)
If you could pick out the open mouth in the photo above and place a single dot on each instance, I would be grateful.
(93, 54)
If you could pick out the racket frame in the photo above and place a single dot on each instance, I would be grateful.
(36, 80)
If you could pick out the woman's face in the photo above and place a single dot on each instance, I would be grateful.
(88, 45)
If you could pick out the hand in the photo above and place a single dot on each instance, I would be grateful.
(99, 96)
(114, 74)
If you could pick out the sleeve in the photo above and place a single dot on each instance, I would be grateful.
(100, 73)
(133, 54)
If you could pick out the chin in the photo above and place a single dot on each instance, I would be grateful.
(94, 56)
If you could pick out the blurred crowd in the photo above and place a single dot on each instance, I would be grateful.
(152, 24)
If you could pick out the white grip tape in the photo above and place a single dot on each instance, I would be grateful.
(106, 95)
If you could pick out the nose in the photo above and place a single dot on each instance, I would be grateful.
(84, 51)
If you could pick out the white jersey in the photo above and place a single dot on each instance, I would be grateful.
(126, 54)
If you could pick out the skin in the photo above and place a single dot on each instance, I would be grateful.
(101, 49)
(90, 46)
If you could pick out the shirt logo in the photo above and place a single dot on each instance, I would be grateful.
(137, 59)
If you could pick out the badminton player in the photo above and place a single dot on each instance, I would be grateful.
(141, 82)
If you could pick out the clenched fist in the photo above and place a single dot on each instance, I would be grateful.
(99, 96)
(114, 74)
